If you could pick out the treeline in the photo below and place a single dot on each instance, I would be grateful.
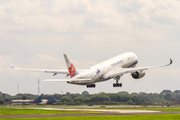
(121, 98)
(101, 99)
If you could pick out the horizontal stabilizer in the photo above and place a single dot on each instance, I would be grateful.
(65, 80)
(55, 71)
(56, 80)
(61, 71)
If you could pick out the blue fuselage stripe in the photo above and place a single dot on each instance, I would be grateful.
(133, 63)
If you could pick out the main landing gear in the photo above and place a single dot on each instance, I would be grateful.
(117, 78)
(117, 85)
(91, 86)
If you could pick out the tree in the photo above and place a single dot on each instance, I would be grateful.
(137, 100)
(168, 96)
(113, 97)
(134, 93)
(80, 99)
(142, 93)
(66, 99)
(74, 95)
(100, 98)
(24, 97)
(1, 102)
(166, 92)
(123, 92)
(130, 102)
(85, 93)
(176, 92)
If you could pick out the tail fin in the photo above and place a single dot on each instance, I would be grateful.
(53, 98)
(38, 99)
(4, 96)
(71, 68)
(6, 100)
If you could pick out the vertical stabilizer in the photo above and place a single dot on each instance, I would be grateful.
(71, 68)
(6, 100)
(53, 98)
(38, 100)
(4, 96)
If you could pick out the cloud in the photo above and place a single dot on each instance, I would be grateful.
(35, 34)
(58, 17)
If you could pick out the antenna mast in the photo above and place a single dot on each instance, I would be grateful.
(38, 87)
(17, 88)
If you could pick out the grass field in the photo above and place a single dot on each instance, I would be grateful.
(131, 117)
(22, 110)
(13, 111)
(164, 109)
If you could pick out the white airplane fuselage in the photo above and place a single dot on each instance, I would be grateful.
(101, 72)
(43, 102)
(22, 102)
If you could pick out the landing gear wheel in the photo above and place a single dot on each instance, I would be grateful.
(91, 86)
(117, 84)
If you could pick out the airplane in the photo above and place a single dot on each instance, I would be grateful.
(35, 101)
(50, 101)
(112, 68)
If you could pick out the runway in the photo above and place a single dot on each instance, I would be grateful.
(103, 110)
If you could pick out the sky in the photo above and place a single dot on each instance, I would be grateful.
(36, 34)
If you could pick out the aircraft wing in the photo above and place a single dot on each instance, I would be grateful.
(121, 71)
(62, 71)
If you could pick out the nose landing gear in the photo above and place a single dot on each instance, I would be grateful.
(91, 86)
(117, 85)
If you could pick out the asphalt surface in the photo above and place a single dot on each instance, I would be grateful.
(103, 110)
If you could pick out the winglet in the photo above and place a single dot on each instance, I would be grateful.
(11, 66)
(169, 62)
(165, 65)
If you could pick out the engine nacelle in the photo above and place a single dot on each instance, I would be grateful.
(138, 75)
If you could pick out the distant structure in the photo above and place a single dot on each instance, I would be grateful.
(68, 93)
(17, 89)
(85, 93)
(38, 87)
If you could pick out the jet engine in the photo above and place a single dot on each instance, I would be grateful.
(138, 75)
